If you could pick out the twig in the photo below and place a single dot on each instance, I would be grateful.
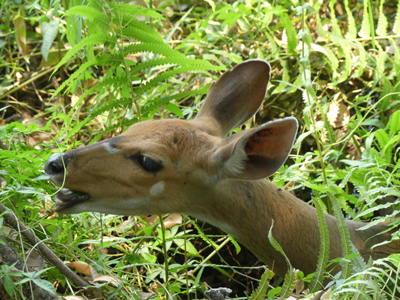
(45, 251)
(30, 290)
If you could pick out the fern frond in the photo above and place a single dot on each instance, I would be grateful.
(156, 48)
(261, 291)
(134, 10)
(156, 103)
(171, 61)
(277, 246)
(96, 112)
(109, 105)
(139, 25)
(381, 29)
(100, 38)
(348, 249)
(90, 13)
(140, 35)
(334, 20)
(288, 284)
(323, 257)
(396, 25)
(351, 23)
(162, 77)
(365, 31)
(109, 59)
(394, 123)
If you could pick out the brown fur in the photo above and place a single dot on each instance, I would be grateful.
(219, 180)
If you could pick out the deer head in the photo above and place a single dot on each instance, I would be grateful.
(156, 166)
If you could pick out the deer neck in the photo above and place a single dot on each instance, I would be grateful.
(246, 209)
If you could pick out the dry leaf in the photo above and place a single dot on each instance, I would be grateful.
(172, 220)
(81, 267)
(326, 295)
(106, 279)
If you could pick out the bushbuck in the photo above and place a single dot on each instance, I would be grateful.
(194, 168)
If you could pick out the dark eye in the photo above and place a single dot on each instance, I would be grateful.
(148, 164)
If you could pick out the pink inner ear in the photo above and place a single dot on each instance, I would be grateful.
(257, 142)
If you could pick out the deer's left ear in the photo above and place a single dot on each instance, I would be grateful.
(256, 153)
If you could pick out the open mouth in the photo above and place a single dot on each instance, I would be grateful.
(67, 198)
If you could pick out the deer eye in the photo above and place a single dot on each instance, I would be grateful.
(147, 163)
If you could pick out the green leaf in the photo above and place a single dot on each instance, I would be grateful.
(49, 32)
(382, 137)
(259, 293)
(396, 25)
(44, 284)
(290, 33)
(381, 30)
(8, 285)
(288, 284)
(190, 249)
(277, 246)
(174, 109)
(351, 23)
(365, 31)
(323, 257)
(394, 123)
(90, 13)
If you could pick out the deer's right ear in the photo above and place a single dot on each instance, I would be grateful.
(255, 153)
(235, 97)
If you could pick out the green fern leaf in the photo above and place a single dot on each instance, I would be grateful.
(171, 61)
(365, 31)
(156, 103)
(101, 38)
(335, 26)
(396, 25)
(74, 29)
(394, 124)
(105, 60)
(90, 13)
(156, 48)
(277, 246)
(260, 292)
(138, 25)
(382, 137)
(351, 23)
(381, 30)
(141, 35)
(323, 257)
(163, 76)
(288, 284)
(96, 112)
(134, 10)
(348, 248)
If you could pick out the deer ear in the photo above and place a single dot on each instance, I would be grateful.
(235, 97)
(256, 153)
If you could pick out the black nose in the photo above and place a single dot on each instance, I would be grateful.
(56, 164)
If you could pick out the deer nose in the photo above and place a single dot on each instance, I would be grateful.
(55, 165)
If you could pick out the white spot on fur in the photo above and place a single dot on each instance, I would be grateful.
(110, 149)
(157, 189)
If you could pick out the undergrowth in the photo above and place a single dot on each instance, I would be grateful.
(75, 72)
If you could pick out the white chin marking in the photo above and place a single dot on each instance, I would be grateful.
(157, 189)
(110, 149)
